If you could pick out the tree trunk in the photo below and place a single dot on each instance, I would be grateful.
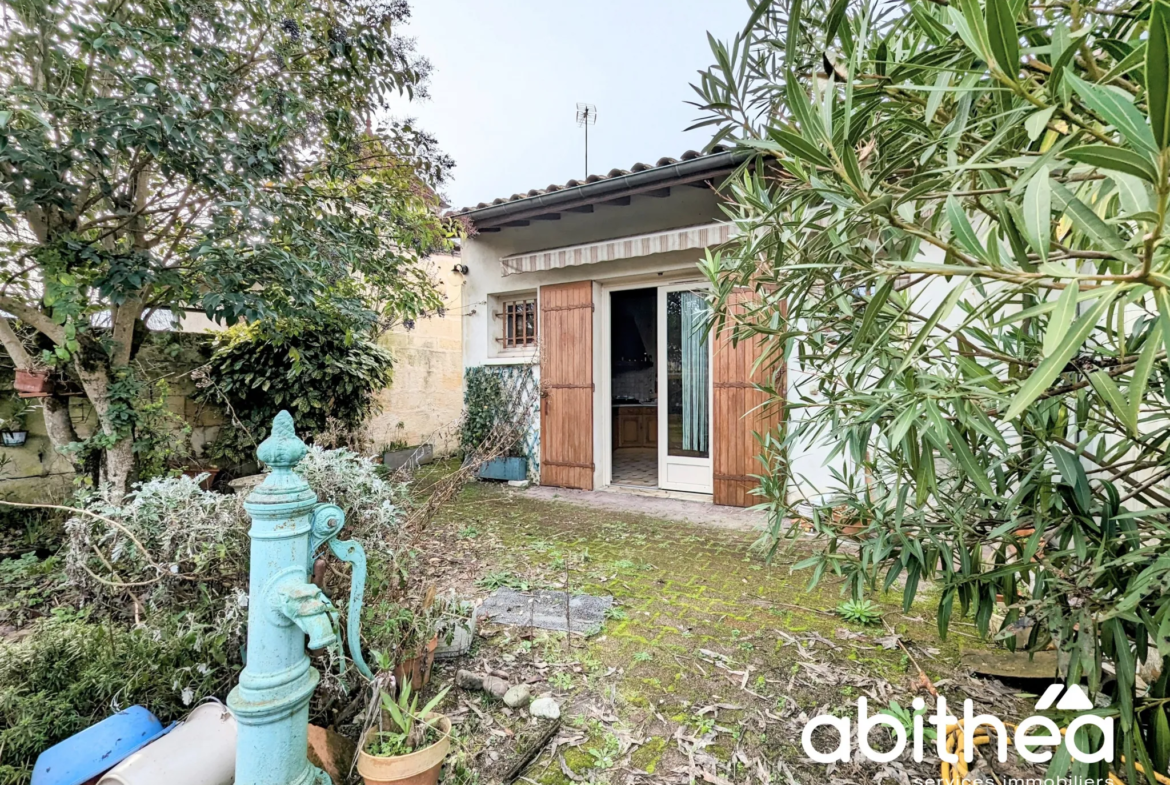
(117, 466)
(60, 428)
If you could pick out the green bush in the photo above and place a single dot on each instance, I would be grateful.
(72, 672)
(325, 374)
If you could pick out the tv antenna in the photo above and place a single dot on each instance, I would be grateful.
(586, 116)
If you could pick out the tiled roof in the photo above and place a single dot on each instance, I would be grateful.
(689, 155)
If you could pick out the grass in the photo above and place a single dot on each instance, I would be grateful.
(699, 620)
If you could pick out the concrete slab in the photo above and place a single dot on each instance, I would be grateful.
(657, 505)
(545, 610)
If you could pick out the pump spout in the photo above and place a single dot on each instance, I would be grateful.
(308, 608)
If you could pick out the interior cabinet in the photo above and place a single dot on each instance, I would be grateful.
(635, 426)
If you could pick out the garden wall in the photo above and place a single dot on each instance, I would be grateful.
(424, 402)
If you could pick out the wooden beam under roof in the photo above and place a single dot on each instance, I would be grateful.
(621, 201)
(585, 208)
(661, 193)
(547, 217)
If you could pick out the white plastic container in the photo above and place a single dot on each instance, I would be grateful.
(200, 751)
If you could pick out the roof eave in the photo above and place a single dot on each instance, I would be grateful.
(695, 170)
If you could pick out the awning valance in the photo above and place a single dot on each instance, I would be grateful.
(691, 237)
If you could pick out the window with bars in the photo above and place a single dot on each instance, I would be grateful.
(519, 318)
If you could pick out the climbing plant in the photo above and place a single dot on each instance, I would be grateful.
(955, 233)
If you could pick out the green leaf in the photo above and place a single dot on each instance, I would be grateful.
(1140, 379)
(962, 230)
(1133, 193)
(1074, 475)
(876, 303)
(1004, 38)
(966, 459)
(1052, 366)
(1038, 212)
(798, 147)
(1061, 319)
(1160, 752)
(1163, 299)
(972, 28)
(802, 111)
(1037, 121)
(1110, 393)
(834, 18)
(944, 309)
(1117, 109)
(1089, 223)
(1158, 73)
(1131, 60)
(941, 82)
(1115, 159)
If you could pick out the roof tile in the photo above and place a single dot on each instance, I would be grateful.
(689, 155)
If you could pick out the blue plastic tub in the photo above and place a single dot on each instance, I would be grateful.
(97, 749)
(504, 469)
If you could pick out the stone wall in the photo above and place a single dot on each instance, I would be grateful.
(424, 401)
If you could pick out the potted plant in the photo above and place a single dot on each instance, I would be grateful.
(412, 635)
(12, 430)
(33, 382)
(409, 743)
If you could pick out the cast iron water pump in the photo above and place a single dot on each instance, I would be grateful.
(271, 702)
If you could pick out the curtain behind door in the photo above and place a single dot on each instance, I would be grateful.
(695, 379)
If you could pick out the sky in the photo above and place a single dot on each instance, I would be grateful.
(509, 74)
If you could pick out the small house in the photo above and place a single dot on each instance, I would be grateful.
(594, 286)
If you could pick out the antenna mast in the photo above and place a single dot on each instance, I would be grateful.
(586, 116)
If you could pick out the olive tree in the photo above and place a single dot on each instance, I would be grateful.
(957, 228)
(221, 156)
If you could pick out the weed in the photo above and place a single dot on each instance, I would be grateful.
(502, 579)
(905, 718)
(606, 756)
(860, 611)
(561, 680)
(468, 533)
(616, 612)
(702, 725)
(643, 656)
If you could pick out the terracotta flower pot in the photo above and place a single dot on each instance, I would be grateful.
(32, 382)
(420, 767)
(417, 669)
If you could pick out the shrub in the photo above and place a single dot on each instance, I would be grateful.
(196, 543)
(355, 484)
(324, 374)
(73, 671)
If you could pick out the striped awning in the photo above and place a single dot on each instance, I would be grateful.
(692, 237)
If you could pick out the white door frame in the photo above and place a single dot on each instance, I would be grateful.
(704, 482)
(603, 437)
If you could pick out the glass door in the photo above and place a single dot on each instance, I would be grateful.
(684, 390)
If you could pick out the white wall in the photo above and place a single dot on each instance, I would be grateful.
(686, 206)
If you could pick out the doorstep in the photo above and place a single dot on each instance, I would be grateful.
(659, 493)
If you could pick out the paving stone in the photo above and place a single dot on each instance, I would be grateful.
(545, 610)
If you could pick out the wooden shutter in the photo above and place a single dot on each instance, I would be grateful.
(566, 385)
(737, 416)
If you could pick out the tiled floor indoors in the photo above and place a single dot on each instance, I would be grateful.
(635, 466)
